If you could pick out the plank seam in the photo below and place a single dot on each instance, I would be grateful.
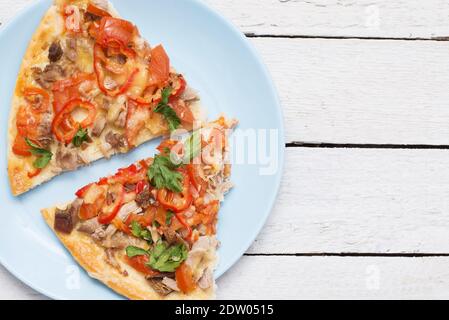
(349, 254)
(288, 36)
(327, 145)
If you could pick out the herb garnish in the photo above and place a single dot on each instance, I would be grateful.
(162, 257)
(139, 232)
(132, 251)
(43, 156)
(168, 217)
(80, 137)
(162, 174)
(167, 111)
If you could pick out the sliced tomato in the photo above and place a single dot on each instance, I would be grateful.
(88, 211)
(114, 201)
(29, 118)
(182, 111)
(97, 11)
(139, 263)
(20, 147)
(176, 202)
(179, 86)
(184, 278)
(65, 127)
(135, 121)
(39, 99)
(159, 67)
(68, 89)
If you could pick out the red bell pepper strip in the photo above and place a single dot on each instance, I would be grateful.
(176, 202)
(110, 210)
(65, 127)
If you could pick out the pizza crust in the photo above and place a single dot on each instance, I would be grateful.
(134, 286)
(50, 29)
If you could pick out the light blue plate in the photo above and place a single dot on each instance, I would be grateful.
(222, 65)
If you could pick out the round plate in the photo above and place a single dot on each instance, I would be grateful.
(221, 64)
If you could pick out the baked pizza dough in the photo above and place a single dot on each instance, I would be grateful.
(60, 66)
(149, 231)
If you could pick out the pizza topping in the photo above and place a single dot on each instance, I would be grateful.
(113, 77)
(169, 114)
(116, 34)
(135, 121)
(114, 201)
(71, 49)
(65, 220)
(80, 137)
(161, 257)
(159, 67)
(72, 18)
(65, 127)
(67, 159)
(99, 125)
(69, 89)
(116, 140)
(55, 52)
(51, 73)
(97, 12)
(43, 156)
(163, 174)
(176, 201)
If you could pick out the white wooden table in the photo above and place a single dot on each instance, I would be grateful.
(364, 207)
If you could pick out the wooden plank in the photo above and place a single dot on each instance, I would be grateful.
(336, 278)
(360, 200)
(322, 18)
(313, 278)
(336, 18)
(353, 91)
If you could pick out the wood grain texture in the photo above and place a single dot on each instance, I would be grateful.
(313, 278)
(361, 91)
(339, 18)
(322, 18)
(360, 200)
(357, 91)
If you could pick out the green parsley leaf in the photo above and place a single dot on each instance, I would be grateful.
(168, 113)
(132, 251)
(80, 137)
(139, 232)
(156, 224)
(168, 217)
(166, 258)
(162, 174)
(43, 156)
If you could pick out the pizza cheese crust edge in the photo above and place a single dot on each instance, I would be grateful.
(133, 286)
(50, 29)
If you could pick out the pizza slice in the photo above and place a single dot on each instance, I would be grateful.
(89, 87)
(149, 231)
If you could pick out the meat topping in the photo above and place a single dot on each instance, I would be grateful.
(65, 220)
(116, 140)
(55, 52)
(68, 159)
